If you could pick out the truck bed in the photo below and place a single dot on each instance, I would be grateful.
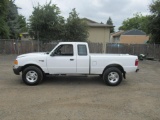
(98, 61)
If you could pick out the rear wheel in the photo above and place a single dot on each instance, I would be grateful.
(32, 75)
(112, 76)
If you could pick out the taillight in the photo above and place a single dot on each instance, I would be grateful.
(136, 62)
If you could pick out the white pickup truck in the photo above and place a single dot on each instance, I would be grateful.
(69, 58)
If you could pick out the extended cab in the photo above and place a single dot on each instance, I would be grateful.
(74, 58)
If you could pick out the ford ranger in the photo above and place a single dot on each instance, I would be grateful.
(69, 58)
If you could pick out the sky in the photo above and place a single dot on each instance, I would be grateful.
(96, 10)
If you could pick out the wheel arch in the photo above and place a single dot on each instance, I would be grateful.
(117, 66)
(27, 65)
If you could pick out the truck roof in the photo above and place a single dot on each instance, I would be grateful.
(73, 42)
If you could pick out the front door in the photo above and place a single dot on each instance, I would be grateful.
(62, 61)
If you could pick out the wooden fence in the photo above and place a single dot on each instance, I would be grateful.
(21, 47)
(151, 50)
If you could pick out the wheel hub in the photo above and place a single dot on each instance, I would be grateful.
(113, 77)
(31, 76)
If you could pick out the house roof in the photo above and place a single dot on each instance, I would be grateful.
(128, 32)
(117, 33)
(99, 25)
(88, 20)
(134, 32)
(92, 23)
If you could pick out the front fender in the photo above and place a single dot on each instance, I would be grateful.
(40, 62)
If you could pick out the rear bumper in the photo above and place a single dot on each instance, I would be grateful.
(17, 70)
(137, 70)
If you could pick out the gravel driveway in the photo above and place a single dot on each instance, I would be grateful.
(78, 98)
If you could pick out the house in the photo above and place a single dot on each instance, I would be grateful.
(25, 36)
(98, 32)
(129, 37)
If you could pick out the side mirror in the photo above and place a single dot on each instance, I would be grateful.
(47, 52)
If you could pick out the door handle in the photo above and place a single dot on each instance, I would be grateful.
(71, 59)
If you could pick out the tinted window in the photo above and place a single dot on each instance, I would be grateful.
(64, 50)
(82, 50)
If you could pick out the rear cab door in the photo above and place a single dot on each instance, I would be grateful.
(83, 58)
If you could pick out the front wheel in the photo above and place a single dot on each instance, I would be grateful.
(112, 76)
(32, 75)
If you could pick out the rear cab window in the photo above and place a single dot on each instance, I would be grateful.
(82, 50)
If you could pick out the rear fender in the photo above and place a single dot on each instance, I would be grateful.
(117, 66)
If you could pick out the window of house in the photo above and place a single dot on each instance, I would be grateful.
(82, 50)
(64, 50)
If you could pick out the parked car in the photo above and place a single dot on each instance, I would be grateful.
(74, 58)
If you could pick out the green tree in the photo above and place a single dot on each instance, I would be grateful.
(12, 20)
(76, 28)
(139, 22)
(47, 23)
(4, 29)
(109, 22)
(22, 23)
(11, 24)
(154, 24)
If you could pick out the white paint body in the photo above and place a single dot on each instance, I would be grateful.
(89, 64)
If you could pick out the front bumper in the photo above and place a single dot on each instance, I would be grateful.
(17, 70)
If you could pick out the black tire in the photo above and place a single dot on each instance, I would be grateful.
(112, 76)
(101, 76)
(32, 75)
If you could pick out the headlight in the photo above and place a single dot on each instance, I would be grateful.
(16, 62)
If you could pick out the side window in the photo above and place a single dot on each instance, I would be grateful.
(82, 50)
(64, 50)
